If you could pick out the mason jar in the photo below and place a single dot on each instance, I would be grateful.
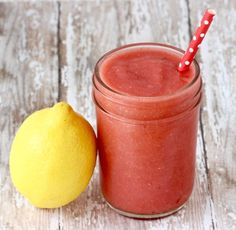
(147, 144)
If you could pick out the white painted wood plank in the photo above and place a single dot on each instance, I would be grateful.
(28, 81)
(218, 66)
(88, 29)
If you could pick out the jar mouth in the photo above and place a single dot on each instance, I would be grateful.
(109, 90)
(176, 117)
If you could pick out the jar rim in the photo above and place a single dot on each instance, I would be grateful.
(141, 122)
(144, 98)
(121, 102)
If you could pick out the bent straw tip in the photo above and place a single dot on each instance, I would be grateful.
(211, 11)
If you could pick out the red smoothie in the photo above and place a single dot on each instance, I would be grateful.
(145, 72)
(147, 114)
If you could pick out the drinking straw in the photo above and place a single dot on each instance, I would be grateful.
(196, 40)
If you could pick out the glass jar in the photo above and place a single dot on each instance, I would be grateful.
(146, 145)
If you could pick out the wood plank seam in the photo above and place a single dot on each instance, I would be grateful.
(209, 187)
(59, 80)
(59, 49)
(189, 21)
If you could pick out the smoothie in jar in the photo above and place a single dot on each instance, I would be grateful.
(147, 114)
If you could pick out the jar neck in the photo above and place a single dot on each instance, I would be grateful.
(146, 108)
(158, 121)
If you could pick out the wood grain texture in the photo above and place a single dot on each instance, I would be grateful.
(29, 81)
(47, 53)
(218, 64)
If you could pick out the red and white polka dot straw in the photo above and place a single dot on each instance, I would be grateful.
(196, 40)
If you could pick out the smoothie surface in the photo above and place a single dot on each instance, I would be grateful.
(145, 72)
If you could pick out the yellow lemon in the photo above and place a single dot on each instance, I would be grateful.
(53, 156)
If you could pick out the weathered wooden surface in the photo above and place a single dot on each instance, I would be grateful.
(28, 81)
(219, 112)
(48, 51)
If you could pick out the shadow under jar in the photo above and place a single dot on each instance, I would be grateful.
(147, 116)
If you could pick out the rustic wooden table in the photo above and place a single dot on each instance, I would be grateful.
(47, 54)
